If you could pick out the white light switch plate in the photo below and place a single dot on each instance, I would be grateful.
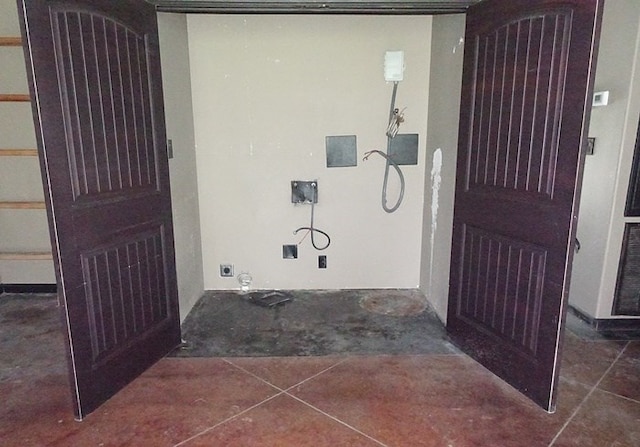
(600, 99)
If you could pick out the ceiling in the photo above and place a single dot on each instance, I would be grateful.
(395, 7)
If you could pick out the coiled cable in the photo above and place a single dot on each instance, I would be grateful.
(312, 229)
(390, 162)
(395, 118)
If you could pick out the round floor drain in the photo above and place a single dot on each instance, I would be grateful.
(394, 303)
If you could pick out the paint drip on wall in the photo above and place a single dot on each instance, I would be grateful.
(436, 180)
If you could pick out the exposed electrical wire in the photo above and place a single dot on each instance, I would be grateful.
(303, 237)
(311, 229)
(396, 117)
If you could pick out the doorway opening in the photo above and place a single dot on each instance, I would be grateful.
(326, 73)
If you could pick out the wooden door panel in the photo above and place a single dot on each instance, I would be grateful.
(95, 79)
(505, 305)
(525, 107)
(514, 135)
(121, 280)
(107, 115)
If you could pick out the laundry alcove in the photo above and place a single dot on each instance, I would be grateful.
(265, 90)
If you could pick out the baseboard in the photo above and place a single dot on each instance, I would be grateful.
(609, 325)
(28, 288)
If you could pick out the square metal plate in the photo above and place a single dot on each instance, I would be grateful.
(341, 151)
(404, 149)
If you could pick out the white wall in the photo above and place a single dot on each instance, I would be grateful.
(20, 230)
(266, 91)
(606, 177)
(442, 148)
(184, 189)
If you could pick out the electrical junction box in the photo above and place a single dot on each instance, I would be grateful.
(393, 66)
(304, 191)
(290, 251)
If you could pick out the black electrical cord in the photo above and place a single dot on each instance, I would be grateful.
(312, 229)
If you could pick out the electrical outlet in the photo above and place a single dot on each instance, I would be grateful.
(322, 262)
(226, 270)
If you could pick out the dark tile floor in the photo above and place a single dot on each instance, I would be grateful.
(411, 399)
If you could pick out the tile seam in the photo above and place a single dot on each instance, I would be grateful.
(318, 374)
(230, 418)
(619, 395)
(589, 394)
(229, 362)
(292, 386)
(280, 393)
(333, 418)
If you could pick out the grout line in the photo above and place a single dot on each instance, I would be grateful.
(253, 375)
(277, 387)
(575, 412)
(281, 393)
(230, 418)
(316, 375)
(336, 419)
(620, 396)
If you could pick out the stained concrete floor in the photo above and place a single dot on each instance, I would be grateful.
(30, 337)
(332, 400)
(314, 323)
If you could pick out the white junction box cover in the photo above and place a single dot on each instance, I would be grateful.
(393, 66)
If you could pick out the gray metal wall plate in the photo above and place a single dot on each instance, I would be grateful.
(341, 151)
(304, 191)
(290, 251)
(404, 149)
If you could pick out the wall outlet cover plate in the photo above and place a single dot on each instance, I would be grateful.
(226, 270)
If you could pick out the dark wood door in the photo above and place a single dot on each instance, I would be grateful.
(526, 98)
(95, 82)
